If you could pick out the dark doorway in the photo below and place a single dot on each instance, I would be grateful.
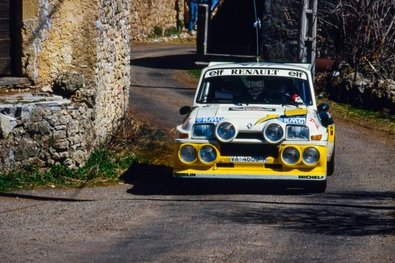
(10, 37)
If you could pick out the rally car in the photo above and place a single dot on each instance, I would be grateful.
(256, 121)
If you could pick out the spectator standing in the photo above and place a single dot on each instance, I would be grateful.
(214, 3)
(193, 10)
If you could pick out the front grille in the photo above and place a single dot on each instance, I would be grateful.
(249, 135)
(240, 149)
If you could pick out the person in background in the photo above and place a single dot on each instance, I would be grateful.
(214, 3)
(193, 10)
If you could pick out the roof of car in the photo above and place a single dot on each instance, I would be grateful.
(301, 66)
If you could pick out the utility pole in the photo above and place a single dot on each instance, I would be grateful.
(307, 47)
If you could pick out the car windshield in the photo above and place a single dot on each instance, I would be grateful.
(254, 90)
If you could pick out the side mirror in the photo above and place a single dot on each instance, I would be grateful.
(323, 107)
(185, 110)
(325, 117)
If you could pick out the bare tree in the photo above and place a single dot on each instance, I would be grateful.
(363, 33)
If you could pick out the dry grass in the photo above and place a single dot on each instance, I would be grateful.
(143, 140)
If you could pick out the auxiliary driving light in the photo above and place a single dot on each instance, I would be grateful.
(290, 155)
(207, 154)
(188, 153)
(311, 156)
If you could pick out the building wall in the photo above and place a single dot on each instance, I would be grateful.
(81, 50)
(59, 36)
(148, 14)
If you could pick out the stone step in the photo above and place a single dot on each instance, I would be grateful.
(7, 82)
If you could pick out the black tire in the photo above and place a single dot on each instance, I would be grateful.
(330, 166)
(316, 187)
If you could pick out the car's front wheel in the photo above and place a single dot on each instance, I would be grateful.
(330, 166)
(316, 187)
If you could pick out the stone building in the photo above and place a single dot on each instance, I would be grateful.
(64, 78)
(146, 15)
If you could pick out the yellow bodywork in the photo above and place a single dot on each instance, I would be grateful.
(268, 168)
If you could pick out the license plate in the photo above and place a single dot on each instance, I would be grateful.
(247, 159)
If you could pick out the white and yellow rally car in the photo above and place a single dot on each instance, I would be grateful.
(256, 121)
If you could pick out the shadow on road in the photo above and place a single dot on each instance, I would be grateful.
(351, 213)
(318, 218)
(177, 62)
(150, 179)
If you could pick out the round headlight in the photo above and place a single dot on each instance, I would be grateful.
(273, 133)
(225, 132)
(188, 153)
(311, 156)
(207, 154)
(290, 155)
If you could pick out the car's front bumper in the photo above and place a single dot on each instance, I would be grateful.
(252, 167)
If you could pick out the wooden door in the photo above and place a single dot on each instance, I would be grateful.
(5, 38)
(10, 38)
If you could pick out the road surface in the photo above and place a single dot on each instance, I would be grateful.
(152, 219)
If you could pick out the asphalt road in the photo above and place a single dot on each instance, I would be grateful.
(151, 218)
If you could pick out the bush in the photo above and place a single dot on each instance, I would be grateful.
(361, 33)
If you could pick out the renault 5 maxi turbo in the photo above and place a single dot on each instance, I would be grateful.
(256, 121)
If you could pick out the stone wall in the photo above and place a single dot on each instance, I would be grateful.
(112, 70)
(41, 130)
(163, 14)
(346, 86)
(59, 119)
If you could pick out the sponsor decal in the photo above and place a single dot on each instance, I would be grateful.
(287, 120)
(256, 72)
(184, 175)
(314, 121)
(331, 130)
(209, 119)
(266, 118)
(213, 73)
(247, 159)
(251, 109)
(294, 120)
(311, 177)
(295, 112)
(297, 74)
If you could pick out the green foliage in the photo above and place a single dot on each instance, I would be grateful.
(157, 31)
(102, 166)
(171, 31)
(195, 73)
(381, 121)
(139, 141)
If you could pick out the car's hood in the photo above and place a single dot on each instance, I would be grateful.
(249, 114)
(254, 117)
